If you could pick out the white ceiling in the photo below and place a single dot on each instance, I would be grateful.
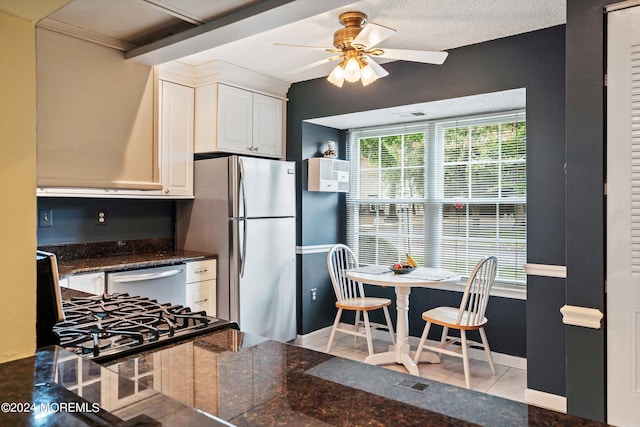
(421, 25)
(508, 100)
(243, 32)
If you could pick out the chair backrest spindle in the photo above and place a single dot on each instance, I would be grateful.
(476, 293)
(339, 260)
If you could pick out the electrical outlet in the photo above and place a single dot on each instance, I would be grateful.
(314, 294)
(101, 216)
(45, 218)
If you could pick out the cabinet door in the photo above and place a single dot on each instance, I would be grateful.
(201, 296)
(176, 139)
(235, 112)
(267, 125)
(92, 283)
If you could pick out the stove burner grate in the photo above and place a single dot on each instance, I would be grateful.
(112, 323)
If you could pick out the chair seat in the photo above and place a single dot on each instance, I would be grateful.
(366, 304)
(447, 316)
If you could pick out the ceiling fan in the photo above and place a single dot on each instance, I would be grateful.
(356, 43)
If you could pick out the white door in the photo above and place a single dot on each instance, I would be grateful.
(623, 218)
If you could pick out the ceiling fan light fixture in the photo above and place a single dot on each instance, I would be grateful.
(337, 76)
(352, 70)
(367, 75)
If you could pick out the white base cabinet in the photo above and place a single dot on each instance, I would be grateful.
(201, 286)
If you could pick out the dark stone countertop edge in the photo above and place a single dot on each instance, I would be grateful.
(128, 262)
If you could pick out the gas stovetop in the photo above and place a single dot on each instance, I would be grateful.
(110, 326)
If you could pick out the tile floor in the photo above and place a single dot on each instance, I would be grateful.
(509, 383)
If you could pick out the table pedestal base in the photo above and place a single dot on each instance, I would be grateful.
(402, 356)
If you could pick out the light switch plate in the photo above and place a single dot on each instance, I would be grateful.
(45, 218)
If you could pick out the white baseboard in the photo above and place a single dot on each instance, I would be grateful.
(313, 336)
(546, 400)
(499, 358)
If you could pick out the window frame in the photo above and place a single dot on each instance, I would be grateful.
(434, 185)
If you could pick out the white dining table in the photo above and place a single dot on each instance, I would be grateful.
(400, 353)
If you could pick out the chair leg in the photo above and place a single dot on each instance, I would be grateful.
(333, 330)
(445, 332)
(465, 357)
(367, 327)
(423, 340)
(485, 343)
(356, 325)
(389, 324)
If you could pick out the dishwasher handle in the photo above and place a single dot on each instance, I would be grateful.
(128, 278)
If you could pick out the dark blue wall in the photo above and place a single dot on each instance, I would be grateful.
(586, 360)
(318, 224)
(535, 61)
(74, 220)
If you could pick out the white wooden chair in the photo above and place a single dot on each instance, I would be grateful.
(350, 296)
(469, 316)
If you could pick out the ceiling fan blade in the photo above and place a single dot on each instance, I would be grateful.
(428, 57)
(313, 65)
(327, 49)
(380, 72)
(372, 34)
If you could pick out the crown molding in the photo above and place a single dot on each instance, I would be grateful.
(213, 72)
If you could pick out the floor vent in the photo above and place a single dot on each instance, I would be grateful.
(413, 385)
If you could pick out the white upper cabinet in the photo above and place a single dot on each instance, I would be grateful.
(174, 145)
(239, 111)
(268, 123)
(235, 112)
(176, 139)
(233, 120)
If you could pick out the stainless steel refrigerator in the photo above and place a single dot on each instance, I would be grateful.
(244, 212)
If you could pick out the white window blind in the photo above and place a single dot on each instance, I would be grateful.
(447, 192)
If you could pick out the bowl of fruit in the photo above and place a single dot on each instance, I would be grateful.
(404, 267)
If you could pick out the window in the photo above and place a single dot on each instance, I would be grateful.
(447, 192)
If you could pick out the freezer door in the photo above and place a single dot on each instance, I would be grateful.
(262, 188)
(266, 278)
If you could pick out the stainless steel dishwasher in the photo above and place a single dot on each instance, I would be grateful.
(163, 284)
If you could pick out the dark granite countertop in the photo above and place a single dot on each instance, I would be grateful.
(128, 261)
(119, 255)
(58, 388)
(250, 381)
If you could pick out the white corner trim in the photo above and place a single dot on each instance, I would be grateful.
(316, 249)
(581, 316)
(545, 400)
(546, 270)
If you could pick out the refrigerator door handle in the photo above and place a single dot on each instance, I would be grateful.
(243, 189)
(243, 251)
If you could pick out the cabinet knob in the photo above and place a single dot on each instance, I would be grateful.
(201, 301)
(166, 191)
